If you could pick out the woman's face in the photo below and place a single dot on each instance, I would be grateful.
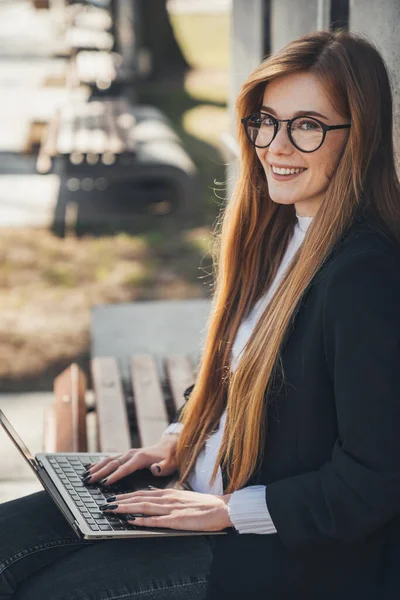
(286, 97)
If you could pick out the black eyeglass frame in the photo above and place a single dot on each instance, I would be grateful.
(325, 128)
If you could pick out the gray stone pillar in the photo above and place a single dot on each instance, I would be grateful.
(379, 21)
(291, 19)
(247, 47)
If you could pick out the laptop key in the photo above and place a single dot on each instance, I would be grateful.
(94, 527)
(93, 510)
(105, 527)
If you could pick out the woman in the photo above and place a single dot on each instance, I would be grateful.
(295, 447)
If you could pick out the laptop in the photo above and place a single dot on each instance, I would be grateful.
(60, 475)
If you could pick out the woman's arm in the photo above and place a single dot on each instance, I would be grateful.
(358, 490)
(248, 510)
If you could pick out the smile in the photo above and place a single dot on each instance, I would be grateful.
(282, 173)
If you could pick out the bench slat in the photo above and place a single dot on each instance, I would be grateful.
(112, 416)
(70, 410)
(151, 412)
(180, 375)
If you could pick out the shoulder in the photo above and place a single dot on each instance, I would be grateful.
(364, 254)
(362, 275)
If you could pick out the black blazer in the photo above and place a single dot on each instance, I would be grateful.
(332, 454)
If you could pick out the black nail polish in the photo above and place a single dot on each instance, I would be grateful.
(86, 479)
(132, 519)
(158, 469)
(103, 481)
(103, 506)
(151, 487)
(87, 465)
(109, 507)
(111, 498)
(85, 473)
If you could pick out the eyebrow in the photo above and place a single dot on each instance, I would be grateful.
(311, 113)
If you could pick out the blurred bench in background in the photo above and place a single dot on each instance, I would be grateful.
(129, 152)
(99, 70)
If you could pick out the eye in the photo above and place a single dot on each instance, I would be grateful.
(267, 120)
(307, 125)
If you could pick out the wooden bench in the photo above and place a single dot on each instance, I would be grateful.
(130, 154)
(89, 132)
(118, 419)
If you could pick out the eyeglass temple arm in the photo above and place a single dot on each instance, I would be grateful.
(329, 127)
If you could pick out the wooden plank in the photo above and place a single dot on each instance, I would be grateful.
(151, 412)
(70, 410)
(112, 416)
(180, 376)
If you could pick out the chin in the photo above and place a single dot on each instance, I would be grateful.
(283, 200)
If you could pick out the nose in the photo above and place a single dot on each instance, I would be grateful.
(281, 143)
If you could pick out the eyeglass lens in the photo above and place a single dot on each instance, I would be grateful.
(306, 133)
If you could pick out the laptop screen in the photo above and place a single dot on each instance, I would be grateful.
(17, 440)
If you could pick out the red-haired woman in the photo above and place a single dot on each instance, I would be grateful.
(290, 439)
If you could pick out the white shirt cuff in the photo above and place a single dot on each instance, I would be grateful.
(248, 510)
(174, 428)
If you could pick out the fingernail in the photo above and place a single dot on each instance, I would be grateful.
(103, 481)
(87, 465)
(151, 487)
(132, 519)
(158, 469)
(86, 478)
(111, 498)
(108, 506)
(87, 472)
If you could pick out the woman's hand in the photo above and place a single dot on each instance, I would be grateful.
(160, 459)
(174, 509)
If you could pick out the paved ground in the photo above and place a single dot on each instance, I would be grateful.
(31, 83)
(25, 413)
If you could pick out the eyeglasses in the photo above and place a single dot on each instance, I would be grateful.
(307, 134)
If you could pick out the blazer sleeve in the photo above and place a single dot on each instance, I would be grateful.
(358, 490)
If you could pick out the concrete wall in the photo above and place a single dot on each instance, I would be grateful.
(292, 18)
(380, 22)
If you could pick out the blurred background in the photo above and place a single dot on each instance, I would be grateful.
(117, 154)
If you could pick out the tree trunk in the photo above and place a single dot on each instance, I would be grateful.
(156, 34)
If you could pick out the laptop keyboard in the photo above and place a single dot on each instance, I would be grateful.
(88, 497)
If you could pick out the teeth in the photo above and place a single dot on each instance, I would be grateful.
(282, 171)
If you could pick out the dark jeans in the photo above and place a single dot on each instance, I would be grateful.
(41, 558)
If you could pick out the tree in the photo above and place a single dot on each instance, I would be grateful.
(155, 33)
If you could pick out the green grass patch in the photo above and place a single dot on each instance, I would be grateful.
(204, 39)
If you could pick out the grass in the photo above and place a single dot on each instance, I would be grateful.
(49, 284)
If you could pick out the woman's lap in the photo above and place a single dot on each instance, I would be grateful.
(40, 557)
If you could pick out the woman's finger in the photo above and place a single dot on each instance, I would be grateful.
(96, 467)
(167, 466)
(156, 521)
(144, 508)
(140, 460)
